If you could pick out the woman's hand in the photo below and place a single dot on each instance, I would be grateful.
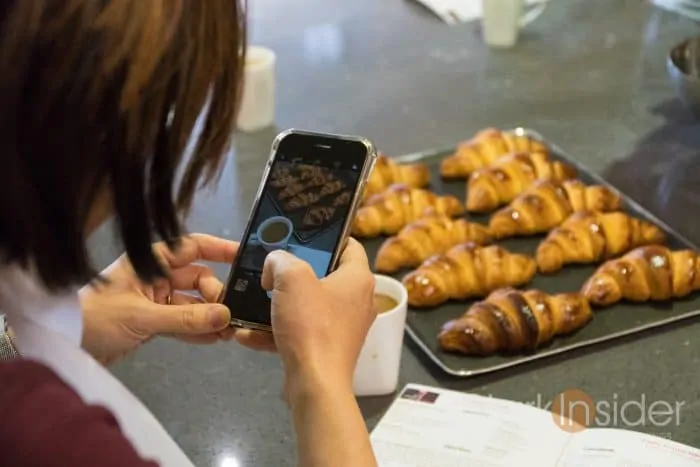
(319, 329)
(319, 326)
(123, 314)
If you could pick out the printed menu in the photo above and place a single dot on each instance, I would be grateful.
(432, 427)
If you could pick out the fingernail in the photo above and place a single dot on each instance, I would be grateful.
(219, 316)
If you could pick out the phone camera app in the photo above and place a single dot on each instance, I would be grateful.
(302, 211)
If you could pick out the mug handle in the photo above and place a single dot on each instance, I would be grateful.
(533, 14)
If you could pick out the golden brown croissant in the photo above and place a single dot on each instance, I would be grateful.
(510, 321)
(509, 176)
(424, 238)
(390, 211)
(546, 204)
(317, 216)
(589, 237)
(466, 271)
(647, 273)
(387, 172)
(303, 200)
(483, 149)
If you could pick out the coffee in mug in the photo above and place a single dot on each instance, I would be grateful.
(275, 232)
(384, 303)
(379, 363)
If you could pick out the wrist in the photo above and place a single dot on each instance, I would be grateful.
(310, 383)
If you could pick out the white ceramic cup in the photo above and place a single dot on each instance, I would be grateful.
(258, 101)
(502, 20)
(377, 371)
(280, 244)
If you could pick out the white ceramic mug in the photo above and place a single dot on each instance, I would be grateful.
(377, 371)
(258, 101)
(502, 20)
(279, 244)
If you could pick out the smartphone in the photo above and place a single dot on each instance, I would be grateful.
(308, 196)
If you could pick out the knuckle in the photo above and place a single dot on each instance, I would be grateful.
(352, 243)
(189, 317)
(299, 269)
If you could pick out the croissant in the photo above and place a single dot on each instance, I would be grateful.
(342, 199)
(467, 271)
(588, 237)
(390, 211)
(281, 181)
(425, 237)
(546, 204)
(302, 200)
(647, 273)
(483, 149)
(317, 216)
(312, 171)
(387, 172)
(509, 176)
(331, 188)
(510, 321)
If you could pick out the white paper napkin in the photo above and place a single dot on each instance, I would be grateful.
(687, 8)
(460, 11)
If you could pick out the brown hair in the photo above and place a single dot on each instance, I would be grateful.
(132, 101)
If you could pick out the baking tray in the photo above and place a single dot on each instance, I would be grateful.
(609, 323)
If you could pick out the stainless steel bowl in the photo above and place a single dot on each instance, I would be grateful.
(683, 66)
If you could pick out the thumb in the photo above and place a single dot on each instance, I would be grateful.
(191, 318)
(280, 267)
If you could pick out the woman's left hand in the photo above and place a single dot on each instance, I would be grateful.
(123, 314)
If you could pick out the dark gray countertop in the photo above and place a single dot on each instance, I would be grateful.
(589, 74)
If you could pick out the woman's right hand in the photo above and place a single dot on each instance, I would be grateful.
(319, 326)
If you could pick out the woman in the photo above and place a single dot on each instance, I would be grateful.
(122, 107)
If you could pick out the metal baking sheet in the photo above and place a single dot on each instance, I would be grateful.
(610, 323)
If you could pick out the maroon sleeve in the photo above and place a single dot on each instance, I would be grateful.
(45, 423)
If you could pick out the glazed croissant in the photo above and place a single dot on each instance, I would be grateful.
(647, 273)
(510, 321)
(588, 237)
(390, 211)
(509, 176)
(467, 271)
(483, 149)
(425, 237)
(387, 172)
(546, 204)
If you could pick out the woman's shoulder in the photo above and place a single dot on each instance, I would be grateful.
(26, 383)
(25, 372)
(46, 423)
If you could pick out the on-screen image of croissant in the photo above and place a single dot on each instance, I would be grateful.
(546, 204)
(592, 237)
(647, 273)
(397, 206)
(483, 149)
(424, 238)
(387, 172)
(514, 321)
(467, 271)
(501, 182)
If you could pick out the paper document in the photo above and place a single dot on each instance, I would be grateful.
(430, 427)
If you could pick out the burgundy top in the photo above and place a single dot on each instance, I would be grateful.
(43, 422)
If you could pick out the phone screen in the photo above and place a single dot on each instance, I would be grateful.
(302, 209)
